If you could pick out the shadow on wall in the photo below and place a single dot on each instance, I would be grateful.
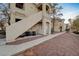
(28, 33)
(2, 34)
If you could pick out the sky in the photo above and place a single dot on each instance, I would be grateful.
(70, 10)
(2, 8)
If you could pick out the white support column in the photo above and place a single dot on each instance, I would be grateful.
(12, 11)
(44, 9)
(43, 20)
(50, 28)
(44, 27)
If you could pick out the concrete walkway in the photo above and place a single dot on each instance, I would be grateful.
(6, 50)
(25, 39)
(2, 41)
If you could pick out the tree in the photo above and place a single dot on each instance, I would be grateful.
(2, 25)
(5, 12)
(55, 12)
(76, 24)
(4, 15)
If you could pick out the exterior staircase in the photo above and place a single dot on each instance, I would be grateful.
(18, 28)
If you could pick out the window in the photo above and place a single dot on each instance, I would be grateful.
(16, 20)
(40, 7)
(20, 5)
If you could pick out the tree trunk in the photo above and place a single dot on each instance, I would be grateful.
(8, 17)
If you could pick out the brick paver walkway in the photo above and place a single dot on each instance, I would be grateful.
(63, 45)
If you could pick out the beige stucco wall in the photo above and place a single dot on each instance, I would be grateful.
(63, 25)
(57, 25)
(37, 27)
(46, 26)
(29, 9)
(40, 29)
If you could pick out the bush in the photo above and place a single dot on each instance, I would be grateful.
(2, 32)
(28, 33)
(67, 30)
(33, 33)
(76, 32)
